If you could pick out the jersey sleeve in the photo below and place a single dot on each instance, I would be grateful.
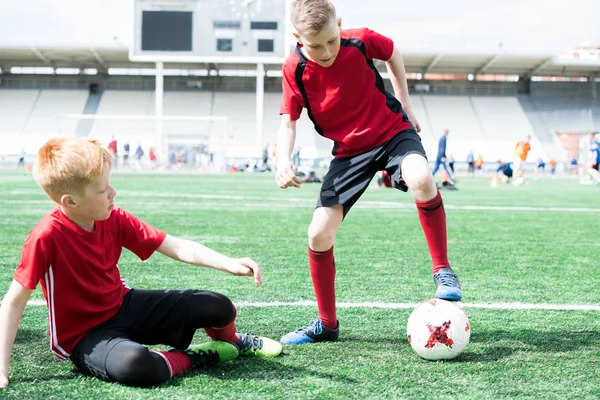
(378, 47)
(35, 260)
(137, 236)
(291, 100)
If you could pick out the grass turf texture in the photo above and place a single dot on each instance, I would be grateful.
(542, 256)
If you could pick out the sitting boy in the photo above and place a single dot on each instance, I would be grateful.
(94, 318)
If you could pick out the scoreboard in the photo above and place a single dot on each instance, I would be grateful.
(209, 31)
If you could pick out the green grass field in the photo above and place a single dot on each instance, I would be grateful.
(536, 244)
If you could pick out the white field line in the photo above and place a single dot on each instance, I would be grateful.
(295, 202)
(403, 306)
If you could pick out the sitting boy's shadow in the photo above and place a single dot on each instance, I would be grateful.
(262, 369)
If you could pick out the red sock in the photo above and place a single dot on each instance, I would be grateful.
(226, 333)
(322, 271)
(177, 361)
(433, 221)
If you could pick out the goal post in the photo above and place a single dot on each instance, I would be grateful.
(196, 137)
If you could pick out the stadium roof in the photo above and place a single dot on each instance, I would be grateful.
(435, 63)
(515, 37)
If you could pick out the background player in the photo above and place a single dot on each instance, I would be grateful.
(441, 158)
(522, 150)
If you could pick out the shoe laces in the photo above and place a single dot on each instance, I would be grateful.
(202, 358)
(315, 327)
(447, 279)
(249, 342)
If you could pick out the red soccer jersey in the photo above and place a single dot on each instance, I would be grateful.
(347, 101)
(78, 270)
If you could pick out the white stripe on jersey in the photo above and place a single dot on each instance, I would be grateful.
(54, 346)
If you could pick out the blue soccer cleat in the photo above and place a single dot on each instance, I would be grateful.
(315, 331)
(446, 285)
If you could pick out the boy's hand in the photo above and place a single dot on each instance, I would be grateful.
(247, 267)
(412, 118)
(3, 380)
(286, 176)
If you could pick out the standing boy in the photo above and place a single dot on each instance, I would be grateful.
(331, 74)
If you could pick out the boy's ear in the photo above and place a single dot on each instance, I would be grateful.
(67, 201)
(339, 23)
(298, 39)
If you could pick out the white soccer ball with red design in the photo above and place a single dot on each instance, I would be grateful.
(438, 330)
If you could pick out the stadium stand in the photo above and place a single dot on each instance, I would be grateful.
(489, 125)
(29, 116)
(503, 124)
(457, 114)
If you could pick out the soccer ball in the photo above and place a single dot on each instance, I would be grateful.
(438, 330)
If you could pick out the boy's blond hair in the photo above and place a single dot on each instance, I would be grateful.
(312, 16)
(68, 164)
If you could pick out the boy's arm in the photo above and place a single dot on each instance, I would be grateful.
(286, 172)
(395, 66)
(13, 304)
(194, 253)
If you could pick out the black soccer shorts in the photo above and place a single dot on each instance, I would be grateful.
(349, 177)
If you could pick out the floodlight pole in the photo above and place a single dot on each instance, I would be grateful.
(260, 100)
(158, 111)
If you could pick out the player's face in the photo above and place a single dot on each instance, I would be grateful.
(323, 47)
(99, 196)
(95, 203)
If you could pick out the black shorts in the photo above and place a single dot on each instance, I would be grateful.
(348, 177)
(147, 317)
(596, 167)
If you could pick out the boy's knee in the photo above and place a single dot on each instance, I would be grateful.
(319, 236)
(227, 311)
(134, 365)
(415, 170)
(324, 226)
(419, 180)
(219, 307)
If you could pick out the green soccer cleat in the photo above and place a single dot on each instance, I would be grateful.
(258, 346)
(210, 353)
